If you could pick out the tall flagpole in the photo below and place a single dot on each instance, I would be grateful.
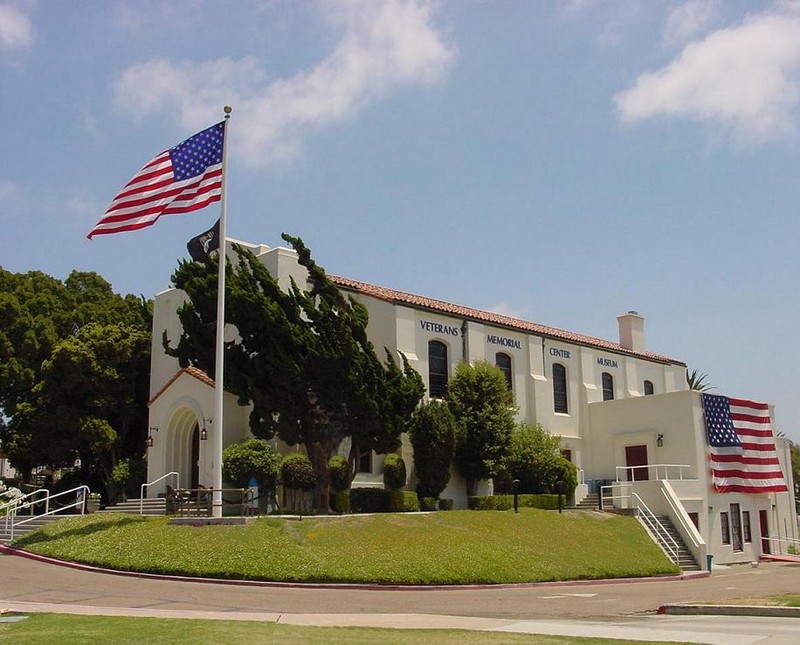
(219, 380)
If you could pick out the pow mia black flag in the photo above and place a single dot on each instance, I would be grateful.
(199, 247)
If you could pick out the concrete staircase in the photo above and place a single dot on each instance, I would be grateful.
(686, 560)
(37, 522)
(589, 503)
(148, 505)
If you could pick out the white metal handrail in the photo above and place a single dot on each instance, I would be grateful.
(688, 529)
(790, 542)
(24, 501)
(155, 481)
(652, 468)
(80, 498)
(654, 524)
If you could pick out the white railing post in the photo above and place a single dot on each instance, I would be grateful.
(155, 481)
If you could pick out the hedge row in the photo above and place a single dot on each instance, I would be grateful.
(506, 502)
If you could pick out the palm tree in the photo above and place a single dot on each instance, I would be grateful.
(697, 381)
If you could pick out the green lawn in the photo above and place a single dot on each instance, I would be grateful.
(61, 629)
(457, 547)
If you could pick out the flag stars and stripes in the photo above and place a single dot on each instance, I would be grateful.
(184, 178)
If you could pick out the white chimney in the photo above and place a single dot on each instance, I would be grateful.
(631, 331)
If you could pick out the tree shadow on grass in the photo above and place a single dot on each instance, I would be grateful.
(61, 530)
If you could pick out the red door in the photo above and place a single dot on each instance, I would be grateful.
(636, 456)
(764, 523)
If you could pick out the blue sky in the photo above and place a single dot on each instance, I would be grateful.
(563, 162)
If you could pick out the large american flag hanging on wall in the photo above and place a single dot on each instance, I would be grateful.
(742, 446)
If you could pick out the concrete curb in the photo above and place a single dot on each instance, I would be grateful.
(7, 550)
(729, 610)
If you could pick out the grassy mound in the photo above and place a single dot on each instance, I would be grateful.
(460, 547)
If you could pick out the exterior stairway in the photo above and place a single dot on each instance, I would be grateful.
(37, 522)
(589, 503)
(148, 505)
(686, 560)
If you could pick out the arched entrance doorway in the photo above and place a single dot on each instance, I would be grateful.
(183, 447)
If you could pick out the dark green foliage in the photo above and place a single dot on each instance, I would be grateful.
(427, 503)
(506, 502)
(394, 471)
(483, 406)
(536, 462)
(369, 500)
(303, 360)
(64, 392)
(297, 472)
(445, 504)
(433, 434)
(339, 473)
(340, 501)
(403, 501)
(251, 458)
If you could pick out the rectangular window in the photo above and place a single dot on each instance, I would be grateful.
(746, 527)
(695, 520)
(726, 528)
(736, 527)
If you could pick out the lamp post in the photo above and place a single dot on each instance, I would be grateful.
(515, 484)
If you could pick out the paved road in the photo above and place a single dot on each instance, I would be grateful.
(599, 608)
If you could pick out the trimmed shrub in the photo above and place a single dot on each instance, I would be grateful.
(340, 501)
(427, 503)
(251, 458)
(433, 432)
(505, 502)
(394, 472)
(369, 500)
(445, 504)
(339, 471)
(403, 501)
(297, 472)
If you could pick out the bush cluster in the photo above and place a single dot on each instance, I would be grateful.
(340, 501)
(394, 472)
(427, 503)
(369, 500)
(339, 471)
(297, 472)
(403, 501)
(505, 502)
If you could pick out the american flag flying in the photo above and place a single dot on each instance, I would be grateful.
(742, 446)
(184, 178)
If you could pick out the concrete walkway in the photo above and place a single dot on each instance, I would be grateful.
(618, 609)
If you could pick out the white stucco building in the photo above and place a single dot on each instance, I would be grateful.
(625, 415)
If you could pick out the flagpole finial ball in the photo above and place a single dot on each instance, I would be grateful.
(227, 109)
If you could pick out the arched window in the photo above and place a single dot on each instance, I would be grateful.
(608, 387)
(560, 388)
(437, 369)
(503, 361)
(648, 388)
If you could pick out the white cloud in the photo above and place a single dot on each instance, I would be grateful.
(689, 19)
(744, 78)
(385, 45)
(16, 30)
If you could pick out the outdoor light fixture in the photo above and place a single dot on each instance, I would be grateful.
(150, 436)
(204, 432)
(660, 440)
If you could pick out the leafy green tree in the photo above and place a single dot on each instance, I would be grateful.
(536, 462)
(250, 458)
(302, 360)
(89, 403)
(483, 406)
(37, 314)
(433, 433)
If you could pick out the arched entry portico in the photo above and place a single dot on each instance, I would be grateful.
(183, 450)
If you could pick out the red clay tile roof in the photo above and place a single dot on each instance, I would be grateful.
(439, 306)
(197, 373)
